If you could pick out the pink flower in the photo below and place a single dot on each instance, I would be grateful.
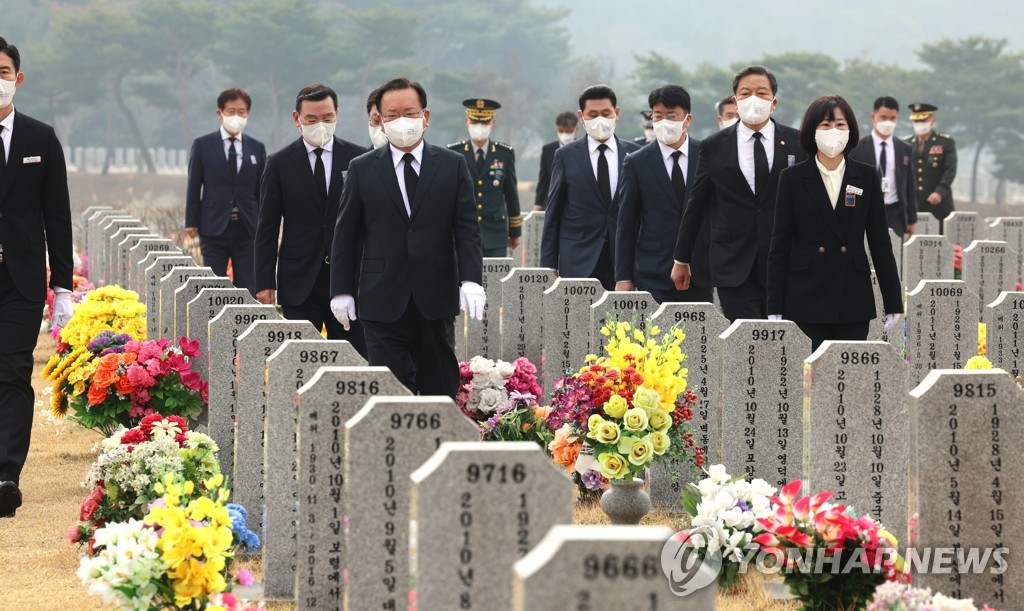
(244, 578)
(74, 534)
(140, 377)
(91, 504)
(189, 348)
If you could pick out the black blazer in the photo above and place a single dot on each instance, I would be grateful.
(383, 256)
(741, 224)
(900, 156)
(648, 221)
(289, 193)
(818, 270)
(214, 189)
(577, 221)
(35, 210)
(547, 159)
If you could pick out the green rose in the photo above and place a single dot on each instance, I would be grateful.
(660, 442)
(613, 466)
(605, 432)
(635, 419)
(659, 420)
(646, 398)
(616, 406)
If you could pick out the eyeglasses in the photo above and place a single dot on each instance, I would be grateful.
(670, 116)
(408, 115)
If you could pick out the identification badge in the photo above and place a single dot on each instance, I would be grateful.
(851, 200)
(885, 184)
(790, 161)
(252, 158)
(33, 159)
(854, 190)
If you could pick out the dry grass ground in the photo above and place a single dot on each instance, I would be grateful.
(37, 566)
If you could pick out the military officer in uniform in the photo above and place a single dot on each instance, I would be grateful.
(934, 163)
(492, 165)
(648, 126)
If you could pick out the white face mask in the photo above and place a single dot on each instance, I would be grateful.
(318, 134)
(564, 139)
(886, 128)
(233, 124)
(724, 123)
(831, 142)
(669, 132)
(600, 128)
(377, 136)
(404, 132)
(478, 132)
(754, 110)
(922, 127)
(7, 89)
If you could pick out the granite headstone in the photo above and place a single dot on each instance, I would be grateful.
(567, 329)
(1004, 332)
(926, 257)
(987, 270)
(522, 307)
(942, 326)
(483, 337)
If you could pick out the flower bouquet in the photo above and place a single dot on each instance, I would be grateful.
(833, 559)
(108, 308)
(894, 596)
(501, 398)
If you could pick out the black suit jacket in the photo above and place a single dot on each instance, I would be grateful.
(35, 210)
(214, 189)
(289, 193)
(741, 223)
(648, 221)
(547, 159)
(818, 270)
(900, 155)
(577, 221)
(384, 257)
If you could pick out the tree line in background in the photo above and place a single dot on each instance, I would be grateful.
(145, 73)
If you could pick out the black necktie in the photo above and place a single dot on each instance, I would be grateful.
(760, 165)
(480, 160)
(882, 162)
(678, 182)
(604, 181)
(232, 156)
(320, 174)
(411, 178)
(3, 154)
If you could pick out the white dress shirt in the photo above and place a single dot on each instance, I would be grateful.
(327, 156)
(477, 149)
(396, 157)
(833, 179)
(891, 196)
(5, 135)
(612, 155)
(745, 148)
(666, 153)
(225, 137)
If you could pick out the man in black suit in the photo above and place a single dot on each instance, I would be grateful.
(407, 247)
(222, 199)
(726, 111)
(579, 226)
(302, 186)
(566, 126)
(35, 220)
(891, 157)
(737, 177)
(652, 197)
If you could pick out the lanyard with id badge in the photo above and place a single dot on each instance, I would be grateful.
(850, 201)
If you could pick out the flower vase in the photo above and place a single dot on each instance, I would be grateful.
(626, 502)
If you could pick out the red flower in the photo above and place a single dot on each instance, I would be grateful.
(74, 534)
(189, 348)
(91, 504)
(133, 437)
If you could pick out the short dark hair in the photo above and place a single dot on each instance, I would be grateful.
(597, 92)
(720, 104)
(371, 101)
(230, 95)
(12, 52)
(671, 96)
(823, 108)
(397, 84)
(888, 102)
(755, 69)
(315, 93)
(565, 119)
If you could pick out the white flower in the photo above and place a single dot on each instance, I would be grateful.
(479, 364)
(724, 501)
(732, 547)
(718, 474)
(490, 400)
(741, 490)
(942, 603)
(505, 369)
(732, 518)
(759, 487)
(707, 488)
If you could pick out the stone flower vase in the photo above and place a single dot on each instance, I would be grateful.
(626, 502)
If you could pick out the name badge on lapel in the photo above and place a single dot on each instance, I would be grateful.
(252, 158)
(790, 161)
(33, 159)
(851, 196)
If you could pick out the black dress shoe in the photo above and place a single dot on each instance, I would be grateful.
(10, 499)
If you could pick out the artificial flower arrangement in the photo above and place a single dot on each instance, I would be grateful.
(80, 287)
(501, 397)
(726, 509)
(978, 362)
(982, 339)
(625, 408)
(894, 596)
(832, 559)
(108, 308)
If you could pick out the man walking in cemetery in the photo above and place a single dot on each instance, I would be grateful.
(566, 126)
(35, 221)
(934, 163)
(737, 178)
(302, 187)
(579, 224)
(492, 166)
(377, 137)
(726, 110)
(407, 249)
(222, 198)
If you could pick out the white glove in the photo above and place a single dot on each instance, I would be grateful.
(344, 309)
(472, 299)
(775, 317)
(61, 309)
(891, 320)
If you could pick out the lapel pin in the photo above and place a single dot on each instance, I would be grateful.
(782, 143)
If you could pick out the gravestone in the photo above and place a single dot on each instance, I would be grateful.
(479, 507)
(225, 328)
(201, 310)
(942, 327)
(84, 220)
(602, 567)
(963, 228)
(483, 337)
(701, 323)
(325, 404)
(1011, 231)
(387, 440)
(254, 347)
(927, 224)
(150, 294)
(533, 232)
(987, 270)
(522, 306)
(567, 328)
(97, 242)
(184, 294)
(107, 231)
(926, 257)
(969, 437)
(122, 265)
(762, 399)
(138, 254)
(1004, 332)
(175, 279)
(288, 368)
(634, 307)
(118, 242)
(518, 253)
(858, 428)
(896, 336)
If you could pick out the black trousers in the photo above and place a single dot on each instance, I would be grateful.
(819, 333)
(896, 218)
(748, 300)
(692, 295)
(19, 331)
(418, 351)
(317, 310)
(605, 268)
(235, 244)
